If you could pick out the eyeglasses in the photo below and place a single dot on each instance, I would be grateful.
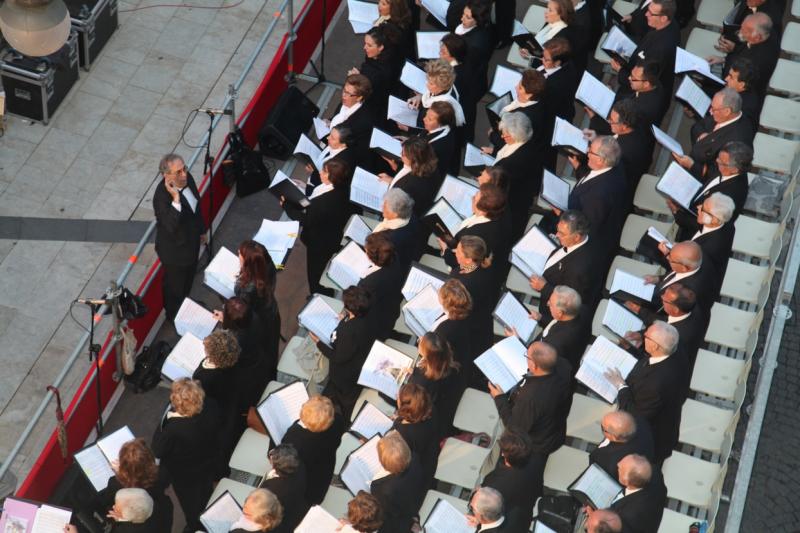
(182, 170)
(631, 78)
(650, 12)
(706, 212)
(348, 93)
(717, 109)
(654, 342)
(593, 153)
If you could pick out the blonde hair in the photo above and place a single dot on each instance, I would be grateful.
(268, 511)
(222, 348)
(187, 396)
(455, 299)
(474, 248)
(393, 452)
(317, 414)
(441, 73)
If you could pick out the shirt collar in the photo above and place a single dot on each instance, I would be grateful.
(473, 221)
(400, 175)
(394, 223)
(507, 150)
(593, 174)
(656, 360)
(490, 525)
(676, 319)
(727, 122)
(461, 30)
(321, 189)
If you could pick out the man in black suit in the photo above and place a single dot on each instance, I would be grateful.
(652, 389)
(642, 503)
(180, 230)
(742, 77)
(569, 329)
(486, 512)
(570, 264)
(400, 225)
(646, 96)
(623, 436)
(758, 43)
(715, 235)
(540, 404)
(603, 521)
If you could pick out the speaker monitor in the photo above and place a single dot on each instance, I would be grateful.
(291, 117)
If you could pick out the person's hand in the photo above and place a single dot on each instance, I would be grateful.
(414, 101)
(663, 248)
(556, 211)
(535, 315)
(442, 245)
(725, 45)
(217, 314)
(309, 168)
(537, 282)
(634, 338)
(574, 161)
(715, 60)
(173, 191)
(525, 54)
(313, 337)
(632, 306)
(494, 390)
(589, 135)
(69, 528)
(392, 163)
(487, 150)
(510, 332)
(651, 279)
(615, 65)
(204, 238)
(627, 18)
(589, 111)
(352, 71)
(386, 178)
(683, 160)
(614, 377)
(672, 205)
(114, 515)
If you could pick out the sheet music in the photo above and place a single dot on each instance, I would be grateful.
(666, 141)
(497, 106)
(445, 518)
(367, 189)
(618, 42)
(692, 94)
(357, 230)
(595, 94)
(384, 141)
(598, 486)
(280, 176)
(417, 280)
(437, 8)
(370, 422)
(449, 216)
(425, 310)
(555, 190)
(601, 356)
(658, 236)
(384, 369)
(17, 515)
(688, 62)
(222, 514)
(111, 444)
(414, 78)
(679, 184)
(184, 358)
(95, 465)
(277, 236)
(361, 15)
(349, 266)
(565, 134)
(318, 520)
(281, 409)
(428, 44)
(308, 147)
(505, 81)
(50, 519)
(195, 319)
(513, 314)
(540, 527)
(633, 285)
(399, 111)
(361, 466)
(321, 128)
(474, 157)
(458, 194)
(319, 318)
(618, 319)
(519, 29)
(221, 273)
(531, 252)
(505, 363)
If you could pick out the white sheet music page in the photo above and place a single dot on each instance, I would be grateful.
(519, 29)
(659, 237)
(692, 94)
(367, 189)
(555, 190)
(539, 527)
(618, 42)
(688, 62)
(513, 314)
(417, 280)
(618, 319)
(595, 94)
(318, 520)
(601, 356)
(222, 271)
(634, 285)
(361, 466)
(474, 157)
(357, 230)
(184, 358)
(370, 422)
(504, 364)
(505, 81)
(565, 134)
(308, 147)
(48, 519)
(399, 111)
(95, 465)
(349, 266)
(319, 318)
(111, 444)
(195, 319)
(679, 185)
(321, 128)
(445, 518)
(428, 44)
(277, 235)
(458, 193)
(361, 15)
(666, 141)
(452, 220)
(281, 409)
(437, 8)
(385, 369)
(425, 308)
(598, 486)
(531, 252)
(384, 141)
(414, 78)
(222, 514)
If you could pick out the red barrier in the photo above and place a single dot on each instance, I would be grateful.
(81, 413)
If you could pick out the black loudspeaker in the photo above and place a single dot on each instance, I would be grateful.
(291, 117)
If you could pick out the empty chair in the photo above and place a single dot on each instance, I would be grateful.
(636, 226)
(301, 360)
(476, 413)
(746, 282)
(733, 328)
(693, 480)
(647, 198)
(774, 154)
(336, 500)
(250, 454)
(563, 467)
(240, 491)
(718, 375)
(533, 20)
(781, 114)
(433, 496)
(755, 237)
(701, 42)
(790, 42)
(706, 426)
(784, 78)
(461, 463)
(585, 417)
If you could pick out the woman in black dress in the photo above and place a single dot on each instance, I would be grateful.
(453, 49)
(439, 374)
(288, 481)
(416, 424)
(378, 68)
(398, 26)
(339, 140)
(529, 101)
(384, 282)
(261, 512)
(440, 128)
(418, 177)
(475, 28)
(400, 486)
(455, 325)
(364, 514)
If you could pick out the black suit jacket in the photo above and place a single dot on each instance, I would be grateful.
(637, 28)
(457, 333)
(560, 88)
(612, 453)
(481, 284)
(400, 496)
(520, 487)
(637, 154)
(497, 238)
(704, 151)
(381, 73)
(764, 55)
(354, 338)
(423, 439)
(446, 150)
(575, 270)
(318, 453)
(406, 241)
(360, 124)
(479, 51)
(641, 511)
(658, 46)
(384, 286)
(177, 232)
(735, 187)
(421, 189)
(579, 33)
(570, 337)
(717, 247)
(524, 171)
(701, 282)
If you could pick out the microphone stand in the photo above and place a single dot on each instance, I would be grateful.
(94, 353)
(320, 72)
(208, 165)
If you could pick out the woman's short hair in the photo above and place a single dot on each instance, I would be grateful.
(267, 510)
(345, 134)
(134, 504)
(559, 49)
(533, 82)
(474, 248)
(481, 11)
(285, 459)
(399, 202)
(137, 465)
(187, 396)
(497, 176)
(437, 361)
(445, 113)
(361, 84)
(414, 404)
(492, 200)
(455, 299)
(364, 512)
(317, 414)
(441, 73)
(236, 314)
(421, 155)
(393, 452)
(565, 9)
(515, 447)
(380, 249)
(338, 172)
(518, 125)
(356, 300)
(222, 348)
(456, 46)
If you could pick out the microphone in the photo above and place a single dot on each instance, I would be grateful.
(214, 111)
(91, 301)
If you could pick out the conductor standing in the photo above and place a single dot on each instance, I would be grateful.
(180, 230)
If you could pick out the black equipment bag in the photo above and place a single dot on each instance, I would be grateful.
(147, 370)
(558, 512)
(244, 167)
(292, 116)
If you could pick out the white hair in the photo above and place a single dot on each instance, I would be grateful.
(721, 206)
(518, 125)
(488, 504)
(668, 336)
(135, 505)
(399, 202)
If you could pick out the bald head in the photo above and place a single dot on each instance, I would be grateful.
(604, 521)
(542, 358)
(634, 471)
(619, 426)
(685, 256)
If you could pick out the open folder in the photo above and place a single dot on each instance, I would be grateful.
(319, 318)
(184, 358)
(620, 320)
(284, 187)
(601, 356)
(445, 518)
(281, 408)
(318, 520)
(530, 254)
(475, 160)
(307, 151)
(370, 421)
(420, 276)
(595, 95)
(595, 488)
(221, 273)
(349, 266)
(385, 369)
(505, 363)
(443, 219)
(495, 108)
(422, 311)
(385, 144)
(459, 193)
(221, 514)
(95, 460)
(670, 144)
(20, 516)
(367, 190)
(626, 286)
(680, 185)
(569, 138)
(505, 81)
(512, 314)
(361, 466)
(525, 39)
(693, 96)
(619, 46)
(362, 15)
(428, 44)
(357, 229)
(195, 319)
(555, 190)
(414, 78)
(278, 237)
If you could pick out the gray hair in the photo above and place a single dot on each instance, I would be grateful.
(608, 149)
(740, 153)
(567, 299)
(488, 503)
(668, 336)
(762, 24)
(163, 165)
(399, 202)
(721, 206)
(730, 98)
(135, 505)
(284, 459)
(576, 221)
(518, 125)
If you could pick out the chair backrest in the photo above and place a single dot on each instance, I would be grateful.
(491, 461)
(739, 394)
(775, 250)
(787, 202)
(763, 291)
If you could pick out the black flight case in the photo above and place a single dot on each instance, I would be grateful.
(95, 21)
